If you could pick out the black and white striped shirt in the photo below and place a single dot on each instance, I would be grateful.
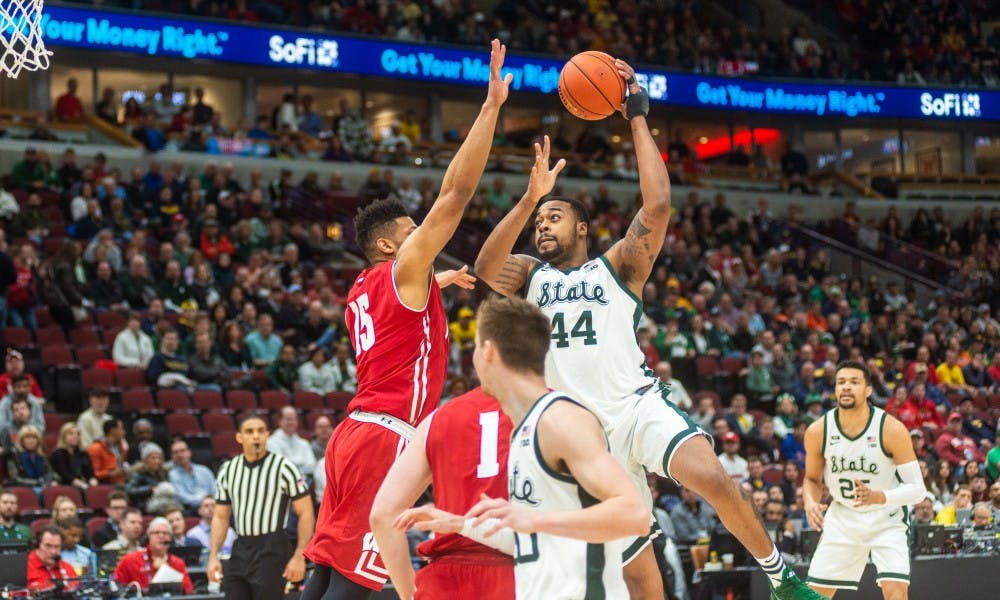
(259, 492)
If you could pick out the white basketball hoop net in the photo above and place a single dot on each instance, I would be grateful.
(21, 37)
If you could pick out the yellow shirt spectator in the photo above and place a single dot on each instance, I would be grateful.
(463, 331)
(950, 374)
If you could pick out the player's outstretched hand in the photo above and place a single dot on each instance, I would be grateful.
(429, 518)
(814, 514)
(507, 515)
(628, 74)
(542, 178)
(457, 277)
(499, 86)
(865, 496)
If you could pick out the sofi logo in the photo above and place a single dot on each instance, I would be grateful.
(950, 105)
(304, 51)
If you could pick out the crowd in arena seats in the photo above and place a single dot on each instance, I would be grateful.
(905, 42)
(188, 297)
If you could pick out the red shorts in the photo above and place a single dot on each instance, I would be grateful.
(465, 576)
(358, 458)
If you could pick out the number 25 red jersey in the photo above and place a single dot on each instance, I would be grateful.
(402, 353)
(467, 445)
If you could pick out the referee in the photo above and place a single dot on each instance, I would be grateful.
(257, 487)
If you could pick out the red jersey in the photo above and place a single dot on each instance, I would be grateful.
(467, 445)
(402, 353)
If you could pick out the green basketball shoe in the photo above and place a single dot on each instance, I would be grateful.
(793, 588)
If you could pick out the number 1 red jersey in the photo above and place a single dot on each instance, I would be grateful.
(402, 354)
(467, 445)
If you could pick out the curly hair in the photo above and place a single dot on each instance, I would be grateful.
(371, 222)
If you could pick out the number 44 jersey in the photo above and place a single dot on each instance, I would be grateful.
(593, 356)
(402, 352)
(862, 457)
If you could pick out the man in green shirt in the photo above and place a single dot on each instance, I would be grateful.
(10, 530)
(993, 459)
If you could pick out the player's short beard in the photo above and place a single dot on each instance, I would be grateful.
(841, 403)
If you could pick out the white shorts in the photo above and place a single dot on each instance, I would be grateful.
(850, 536)
(643, 438)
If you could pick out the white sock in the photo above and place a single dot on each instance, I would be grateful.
(773, 566)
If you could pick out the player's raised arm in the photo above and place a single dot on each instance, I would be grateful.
(504, 272)
(572, 436)
(812, 485)
(418, 252)
(633, 256)
(408, 477)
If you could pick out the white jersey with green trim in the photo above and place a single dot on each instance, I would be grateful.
(863, 457)
(549, 566)
(594, 355)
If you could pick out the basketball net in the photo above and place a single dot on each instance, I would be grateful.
(21, 37)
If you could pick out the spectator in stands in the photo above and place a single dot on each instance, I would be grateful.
(175, 516)
(975, 426)
(46, 570)
(29, 173)
(734, 464)
(345, 369)
(105, 290)
(70, 461)
(950, 376)
(31, 221)
(80, 557)
(137, 285)
(335, 150)
(354, 132)
(26, 463)
(142, 566)
(693, 517)
(316, 374)
(206, 367)
(133, 348)
(322, 431)
(68, 107)
(793, 447)
(678, 394)
(91, 421)
(10, 530)
(108, 454)
(959, 512)
(793, 161)
(287, 442)
(394, 146)
(191, 481)
(202, 531)
(64, 508)
(954, 446)
(264, 346)
(129, 535)
(11, 408)
(61, 288)
(261, 129)
(201, 113)
(213, 243)
(114, 507)
(232, 349)
(14, 364)
(107, 107)
(168, 368)
(148, 133)
(147, 475)
(759, 384)
(310, 122)
(142, 435)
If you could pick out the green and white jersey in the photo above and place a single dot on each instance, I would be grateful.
(863, 457)
(594, 355)
(547, 566)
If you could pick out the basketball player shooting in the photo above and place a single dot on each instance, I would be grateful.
(866, 458)
(594, 356)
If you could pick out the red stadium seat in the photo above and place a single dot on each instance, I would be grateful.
(94, 524)
(307, 401)
(50, 494)
(130, 378)
(137, 401)
(218, 422)
(208, 400)
(18, 336)
(338, 400)
(96, 496)
(50, 336)
(773, 474)
(89, 355)
(37, 525)
(241, 400)
(49, 440)
(26, 498)
(94, 377)
(172, 400)
(53, 421)
(224, 445)
(57, 355)
(273, 399)
(44, 317)
(110, 320)
(182, 424)
(85, 336)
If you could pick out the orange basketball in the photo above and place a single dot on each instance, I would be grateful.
(590, 86)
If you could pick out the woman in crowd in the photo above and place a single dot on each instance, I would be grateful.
(943, 484)
(147, 475)
(26, 464)
(64, 508)
(231, 348)
(70, 461)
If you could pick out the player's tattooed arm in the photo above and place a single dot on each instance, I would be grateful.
(634, 255)
(512, 275)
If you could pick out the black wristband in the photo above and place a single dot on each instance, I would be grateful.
(630, 80)
(637, 105)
